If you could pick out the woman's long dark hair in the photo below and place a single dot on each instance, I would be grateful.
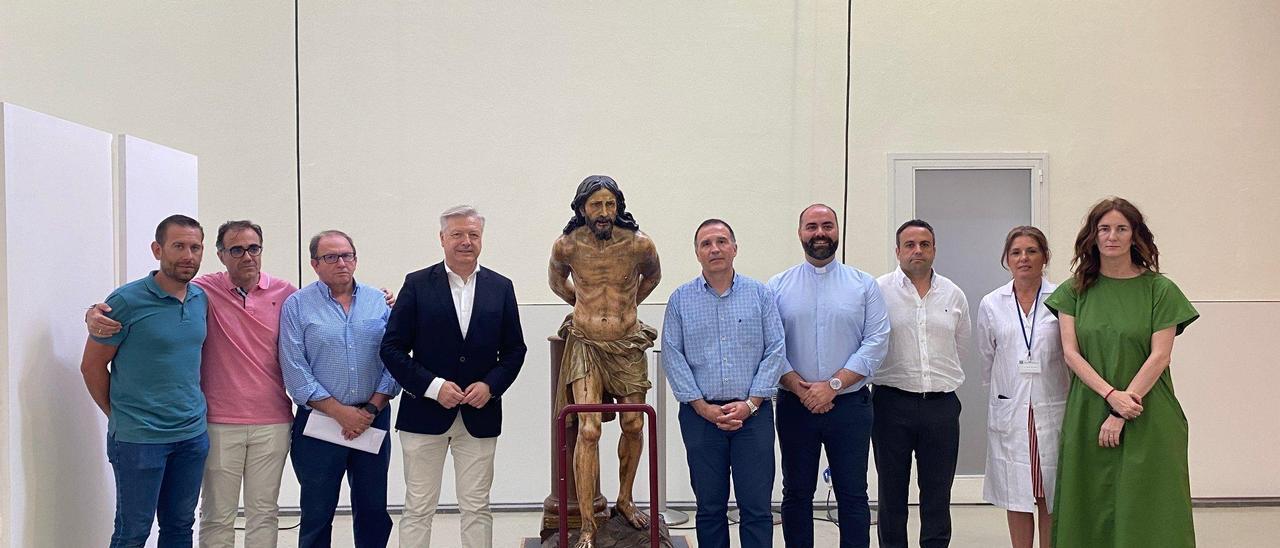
(1087, 264)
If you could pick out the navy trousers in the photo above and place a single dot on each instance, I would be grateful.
(746, 454)
(320, 467)
(845, 432)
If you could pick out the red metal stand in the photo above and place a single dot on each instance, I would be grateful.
(562, 480)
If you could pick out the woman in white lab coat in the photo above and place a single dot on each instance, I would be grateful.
(1028, 380)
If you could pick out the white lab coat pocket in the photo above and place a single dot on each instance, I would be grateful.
(1001, 415)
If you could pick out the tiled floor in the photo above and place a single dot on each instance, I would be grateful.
(975, 526)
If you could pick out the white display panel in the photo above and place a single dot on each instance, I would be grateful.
(155, 182)
(58, 256)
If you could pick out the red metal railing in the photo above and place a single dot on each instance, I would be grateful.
(562, 481)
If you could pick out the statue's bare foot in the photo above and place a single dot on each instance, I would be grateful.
(587, 539)
(632, 514)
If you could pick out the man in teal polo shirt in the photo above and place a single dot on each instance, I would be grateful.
(156, 439)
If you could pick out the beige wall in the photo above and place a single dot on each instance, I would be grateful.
(1221, 376)
(698, 110)
(1170, 104)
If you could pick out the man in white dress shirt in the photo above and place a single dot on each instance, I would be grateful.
(916, 408)
(454, 343)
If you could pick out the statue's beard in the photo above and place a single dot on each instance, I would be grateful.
(602, 233)
(821, 253)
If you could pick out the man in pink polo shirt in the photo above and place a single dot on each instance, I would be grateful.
(249, 412)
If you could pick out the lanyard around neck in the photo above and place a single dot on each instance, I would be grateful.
(1027, 337)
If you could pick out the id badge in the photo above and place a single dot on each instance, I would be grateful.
(1028, 365)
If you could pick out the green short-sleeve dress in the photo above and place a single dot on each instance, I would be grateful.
(1137, 494)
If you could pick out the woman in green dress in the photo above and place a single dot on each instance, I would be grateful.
(1122, 469)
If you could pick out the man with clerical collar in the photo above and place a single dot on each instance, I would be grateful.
(837, 334)
(722, 349)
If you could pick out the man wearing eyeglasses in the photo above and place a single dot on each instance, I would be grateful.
(330, 334)
(248, 411)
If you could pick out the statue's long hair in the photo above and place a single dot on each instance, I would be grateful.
(588, 187)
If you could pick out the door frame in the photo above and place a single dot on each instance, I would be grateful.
(904, 165)
(967, 488)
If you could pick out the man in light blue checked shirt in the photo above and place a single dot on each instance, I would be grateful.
(722, 349)
(330, 336)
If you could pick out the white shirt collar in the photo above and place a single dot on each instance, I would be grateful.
(1046, 287)
(905, 280)
(820, 270)
(454, 275)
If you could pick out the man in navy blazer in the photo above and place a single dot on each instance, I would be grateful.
(454, 344)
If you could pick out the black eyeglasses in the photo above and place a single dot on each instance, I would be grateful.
(239, 251)
(333, 257)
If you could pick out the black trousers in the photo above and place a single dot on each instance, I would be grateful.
(927, 425)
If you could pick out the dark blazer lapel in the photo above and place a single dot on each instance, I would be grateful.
(481, 302)
(443, 292)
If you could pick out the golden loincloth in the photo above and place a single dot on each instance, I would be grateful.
(621, 363)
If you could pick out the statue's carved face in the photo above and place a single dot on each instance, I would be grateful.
(601, 210)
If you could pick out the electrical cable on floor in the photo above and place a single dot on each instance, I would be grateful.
(826, 478)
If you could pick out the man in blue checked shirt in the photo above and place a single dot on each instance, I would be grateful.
(837, 335)
(330, 335)
(722, 349)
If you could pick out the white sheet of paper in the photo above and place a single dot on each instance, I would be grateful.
(322, 427)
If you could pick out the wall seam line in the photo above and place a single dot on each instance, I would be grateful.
(297, 135)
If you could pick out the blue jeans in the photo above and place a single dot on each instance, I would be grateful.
(156, 480)
(845, 431)
(747, 454)
(320, 466)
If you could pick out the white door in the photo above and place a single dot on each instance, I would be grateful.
(972, 201)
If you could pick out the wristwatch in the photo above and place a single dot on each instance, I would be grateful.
(752, 407)
(835, 383)
(369, 407)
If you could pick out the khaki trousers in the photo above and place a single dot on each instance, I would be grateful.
(473, 474)
(253, 454)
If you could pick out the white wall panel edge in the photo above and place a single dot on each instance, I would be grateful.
(153, 181)
(57, 187)
(6, 533)
(118, 269)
